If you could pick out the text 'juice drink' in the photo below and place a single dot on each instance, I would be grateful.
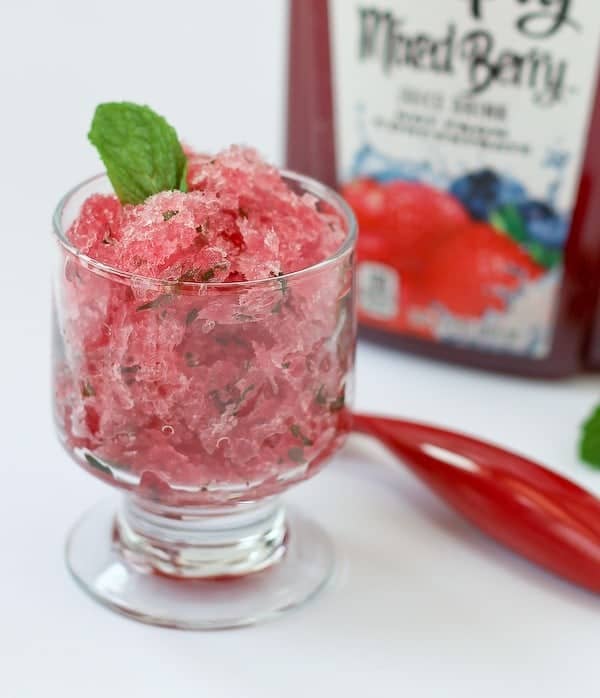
(466, 136)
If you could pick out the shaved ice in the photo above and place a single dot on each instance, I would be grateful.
(193, 364)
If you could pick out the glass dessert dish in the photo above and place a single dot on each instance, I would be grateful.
(202, 402)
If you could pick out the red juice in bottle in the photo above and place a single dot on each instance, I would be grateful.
(466, 136)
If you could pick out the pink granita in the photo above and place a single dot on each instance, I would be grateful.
(239, 221)
(194, 363)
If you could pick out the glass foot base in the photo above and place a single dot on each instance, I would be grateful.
(98, 566)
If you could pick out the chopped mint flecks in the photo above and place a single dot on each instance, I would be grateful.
(189, 275)
(283, 283)
(191, 359)
(297, 434)
(334, 405)
(321, 397)
(98, 465)
(339, 403)
(87, 389)
(296, 454)
(130, 369)
(245, 392)
(191, 316)
(158, 302)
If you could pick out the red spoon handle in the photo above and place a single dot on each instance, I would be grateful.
(530, 509)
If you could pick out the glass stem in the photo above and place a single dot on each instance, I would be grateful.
(200, 542)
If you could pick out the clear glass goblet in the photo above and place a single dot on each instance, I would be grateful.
(202, 403)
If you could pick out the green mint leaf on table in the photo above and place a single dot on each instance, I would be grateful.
(140, 150)
(589, 445)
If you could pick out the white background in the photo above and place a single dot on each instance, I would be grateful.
(424, 605)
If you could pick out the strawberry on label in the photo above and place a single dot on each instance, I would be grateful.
(476, 270)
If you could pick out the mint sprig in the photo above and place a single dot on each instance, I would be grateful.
(589, 445)
(140, 150)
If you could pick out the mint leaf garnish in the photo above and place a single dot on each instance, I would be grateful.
(140, 150)
(589, 445)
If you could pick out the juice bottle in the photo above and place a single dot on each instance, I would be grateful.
(466, 136)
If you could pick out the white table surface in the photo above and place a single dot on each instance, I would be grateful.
(424, 605)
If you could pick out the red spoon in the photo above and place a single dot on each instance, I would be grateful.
(530, 509)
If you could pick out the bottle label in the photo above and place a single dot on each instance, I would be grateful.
(461, 127)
